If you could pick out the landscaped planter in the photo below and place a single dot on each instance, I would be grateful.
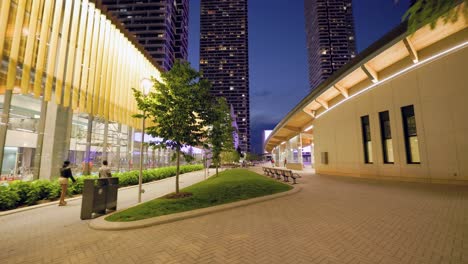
(20, 193)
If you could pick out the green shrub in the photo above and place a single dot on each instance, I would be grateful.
(77, 187)
(128, 178)
(27, 194)
(46, 189)
(8, 198)
(55, 192)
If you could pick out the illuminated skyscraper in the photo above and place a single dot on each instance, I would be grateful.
(161, 26)
(224, 57)
(330, 37)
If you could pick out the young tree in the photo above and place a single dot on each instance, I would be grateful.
(230, 156)
(220, 130)
(424, 12)
(178, 107)
(253, 157)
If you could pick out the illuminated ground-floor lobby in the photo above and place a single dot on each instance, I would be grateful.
(79, 137)
(331, 220)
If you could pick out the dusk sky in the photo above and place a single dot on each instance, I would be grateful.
(278, 55)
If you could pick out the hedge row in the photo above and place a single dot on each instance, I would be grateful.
(20, 193)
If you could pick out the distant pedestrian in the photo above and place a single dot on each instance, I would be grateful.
(65, 174)
(272, 162)
(104, 171)
(285, 162)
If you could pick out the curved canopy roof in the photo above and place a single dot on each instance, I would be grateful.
(392, 55)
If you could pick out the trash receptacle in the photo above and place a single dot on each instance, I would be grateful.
(98, 195)
(112, 191)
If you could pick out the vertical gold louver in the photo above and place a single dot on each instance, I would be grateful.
(4, 12)
(63, 51)
(79, 55)
(42, 50)
(15, 44)
(93, 75)
(86, 59)
(111, 96)
(111, 72)
(123, 94)
(118, 84)
(105, 63)
(30, 43)
(50, 72)
(72, 51)
(99, 77)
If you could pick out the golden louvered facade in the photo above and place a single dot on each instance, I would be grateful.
(66, 72)
(71, 52)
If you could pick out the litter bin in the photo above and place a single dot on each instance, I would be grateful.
(99, 195)
(112, 191)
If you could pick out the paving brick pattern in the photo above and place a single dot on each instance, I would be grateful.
(332, 220)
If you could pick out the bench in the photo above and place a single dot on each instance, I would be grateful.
(278, 173)
(266, 171)
(289, 173)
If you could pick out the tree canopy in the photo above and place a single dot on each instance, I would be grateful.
(179, 106)
(424, 12)
(220, 136)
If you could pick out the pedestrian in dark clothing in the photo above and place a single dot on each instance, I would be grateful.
(65, 174)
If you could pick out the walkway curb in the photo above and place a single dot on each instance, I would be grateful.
(101, 224)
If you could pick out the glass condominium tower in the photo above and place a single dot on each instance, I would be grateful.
(160, 26)
(224, 57)
(330, 37)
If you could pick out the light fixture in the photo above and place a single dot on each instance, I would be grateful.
(309, 128)
(145, 86)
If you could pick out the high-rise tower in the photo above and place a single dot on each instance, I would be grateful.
(224, 57)
(161, 26)
(330, 37)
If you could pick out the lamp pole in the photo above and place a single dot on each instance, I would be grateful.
(145, 85)
(140, 178)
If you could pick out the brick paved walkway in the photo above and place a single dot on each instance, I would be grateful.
(332, 220)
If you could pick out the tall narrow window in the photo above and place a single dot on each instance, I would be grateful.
(366, 139)
(411, 135)
(386, 135)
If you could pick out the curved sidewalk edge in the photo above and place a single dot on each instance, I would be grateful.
(101, 224)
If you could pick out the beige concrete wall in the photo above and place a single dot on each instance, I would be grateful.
(439, 93)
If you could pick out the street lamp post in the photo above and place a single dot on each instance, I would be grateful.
(145, 86)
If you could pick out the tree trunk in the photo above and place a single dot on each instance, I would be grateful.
(177, 171)
(217, 166)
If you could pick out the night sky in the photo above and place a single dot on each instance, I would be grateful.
(278, 55)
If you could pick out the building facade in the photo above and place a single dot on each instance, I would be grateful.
(330, 37)
(66, 75)
(395, 112)
(224, 58)
(161, 26)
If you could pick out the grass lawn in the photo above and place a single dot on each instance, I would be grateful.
(229, 186)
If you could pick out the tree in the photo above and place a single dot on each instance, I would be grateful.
(220, 130)
(252, 157)
(230, 156)
(424, 12)
(178, 108)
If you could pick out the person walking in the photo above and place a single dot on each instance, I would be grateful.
(104, 171)
(65, 174)
(285, 162)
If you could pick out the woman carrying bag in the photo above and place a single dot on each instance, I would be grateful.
(65, 174)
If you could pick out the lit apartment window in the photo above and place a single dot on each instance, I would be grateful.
(386, 135)
(411, 135)
(366, 138)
